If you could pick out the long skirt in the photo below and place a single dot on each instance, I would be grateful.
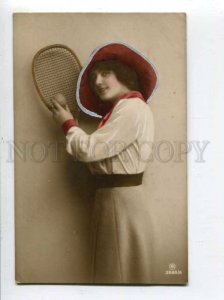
(122, 239)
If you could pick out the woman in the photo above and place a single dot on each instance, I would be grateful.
(115, 84)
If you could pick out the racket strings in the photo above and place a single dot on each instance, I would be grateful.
(56, 70)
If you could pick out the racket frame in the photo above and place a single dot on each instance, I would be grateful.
(33, 67)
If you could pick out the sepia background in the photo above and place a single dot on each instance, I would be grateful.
(53, 193)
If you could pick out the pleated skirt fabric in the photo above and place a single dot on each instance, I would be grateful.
(122, 237)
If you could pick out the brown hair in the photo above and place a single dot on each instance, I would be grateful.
(124, 73)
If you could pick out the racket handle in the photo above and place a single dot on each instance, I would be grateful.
(75, 112)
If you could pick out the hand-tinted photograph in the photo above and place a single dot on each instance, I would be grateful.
(99, 148)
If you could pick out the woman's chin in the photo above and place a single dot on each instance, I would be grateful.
(107, 99)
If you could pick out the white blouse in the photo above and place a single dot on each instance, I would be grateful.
(122, 145)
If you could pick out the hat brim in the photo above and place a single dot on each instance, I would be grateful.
(145, 70)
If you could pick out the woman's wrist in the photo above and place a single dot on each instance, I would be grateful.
(68, 124)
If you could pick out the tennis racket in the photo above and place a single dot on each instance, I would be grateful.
(55, 70)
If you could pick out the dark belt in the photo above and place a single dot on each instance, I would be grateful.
(118, 180)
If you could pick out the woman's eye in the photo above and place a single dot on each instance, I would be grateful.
(105, 73)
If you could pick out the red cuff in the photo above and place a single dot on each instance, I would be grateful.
(68, 124)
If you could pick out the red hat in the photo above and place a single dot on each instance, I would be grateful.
(146, 73)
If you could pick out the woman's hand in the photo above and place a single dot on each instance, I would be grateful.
(61, 114)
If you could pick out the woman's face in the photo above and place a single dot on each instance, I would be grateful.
(107, 87)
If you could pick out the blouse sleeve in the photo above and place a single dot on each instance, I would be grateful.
(117, 133)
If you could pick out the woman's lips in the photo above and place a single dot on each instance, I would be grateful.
(101, 90)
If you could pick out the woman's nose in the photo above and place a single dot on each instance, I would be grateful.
(99, 79)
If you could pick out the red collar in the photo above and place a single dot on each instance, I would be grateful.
(128, 95)
(131, 94)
